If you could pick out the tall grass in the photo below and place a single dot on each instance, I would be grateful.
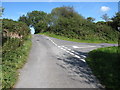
(104, 63)
(12, 61)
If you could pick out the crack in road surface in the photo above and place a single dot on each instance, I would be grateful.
(55, 63)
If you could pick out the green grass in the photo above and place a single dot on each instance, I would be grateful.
(75, 40)
(104, 63)
(11, 62)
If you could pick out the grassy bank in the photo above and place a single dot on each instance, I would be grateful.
(104, 63)
(12, 61)
(75, 40)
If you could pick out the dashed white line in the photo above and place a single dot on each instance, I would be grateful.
(83, 56)
(67, 50)
(74, 52)
(52, 41)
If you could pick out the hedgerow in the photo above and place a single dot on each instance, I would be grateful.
(65, 21)
(15, 49)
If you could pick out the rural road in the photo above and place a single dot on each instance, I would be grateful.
(55, 63)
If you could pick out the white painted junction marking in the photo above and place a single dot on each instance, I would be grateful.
(83, 47)
(70, 51)
(75, 47)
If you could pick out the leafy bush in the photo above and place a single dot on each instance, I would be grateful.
(66, 22)
(11, 61)
(15, 48)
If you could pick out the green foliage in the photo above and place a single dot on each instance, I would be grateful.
(24, 19)
(104, 63)
(116, 21)
(106, 32)
(91, 19)
(73, 39)
(35, 19)
(66, 22)
(64, 11)
(14, 29)
(15, 48)
(41, 26)
(12, 60)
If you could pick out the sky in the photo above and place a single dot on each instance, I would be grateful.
(60, 0)
(13, 10)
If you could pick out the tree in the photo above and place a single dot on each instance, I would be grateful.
(116, 24)
(34, 19)
(63, 11)
(24, 18)
(41, 26)
(116, 20)
(36, 16)
(91, 19)
(105, 17)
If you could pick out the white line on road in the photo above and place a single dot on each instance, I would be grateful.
(70, 50)
(83, 47)
(73, 51)
(75, 47)
(61, 47)
(52, 41)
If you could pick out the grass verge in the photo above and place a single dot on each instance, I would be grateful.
(74, 40)
(11, 62)
(104, 63)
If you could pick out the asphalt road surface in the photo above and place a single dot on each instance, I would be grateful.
(55, 63)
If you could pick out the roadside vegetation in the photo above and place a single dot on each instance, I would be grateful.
(75, 40)
(16, 44)
(104, 63)
(66, 22)
(63, 23)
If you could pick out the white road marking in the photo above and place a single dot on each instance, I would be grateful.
(52, 41)
(66, 50)
(71, 50)
(83, 56)
(75, 47)
(86, 47)
(74, 51)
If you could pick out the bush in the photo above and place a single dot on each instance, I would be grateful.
(15, 48)
(66, 22)
(11, 61)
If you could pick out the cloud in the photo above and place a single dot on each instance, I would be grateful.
(104, 8)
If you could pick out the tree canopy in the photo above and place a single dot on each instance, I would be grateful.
(32, 19)
(65, 21)
(91, 19)
(116, 20)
